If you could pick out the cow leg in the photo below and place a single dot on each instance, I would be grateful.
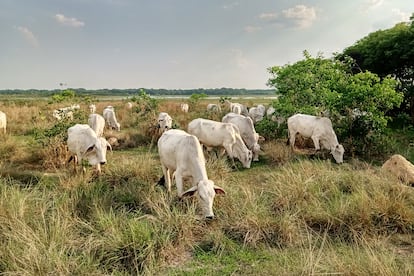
(229, 149)
(75, 163)
(315, 140)
(167, 178)
(292, 138)
(179, 182)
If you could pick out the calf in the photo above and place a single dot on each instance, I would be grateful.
(181, 155)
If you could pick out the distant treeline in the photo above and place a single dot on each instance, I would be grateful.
(150, 91)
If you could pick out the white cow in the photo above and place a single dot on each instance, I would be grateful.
(110, 118)
(257, 113)
(3, 121)
(236, 107)
(164, 122)
(213, 108)
(270, 111)
(129, 105)
(92, 108)
(182, 156)
(83, 143)
(65, 112)
(184, 107)
(218, 134)
(97, 123)
(319, 129)
(247, 132)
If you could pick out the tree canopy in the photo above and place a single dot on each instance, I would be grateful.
(388, 52)
(356, 103)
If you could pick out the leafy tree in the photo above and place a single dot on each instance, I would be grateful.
(65, 95)
(195, 99)
(389, 52)
(145, 103)
(356, 103)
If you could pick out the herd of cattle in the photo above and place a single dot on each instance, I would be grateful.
(181, 151)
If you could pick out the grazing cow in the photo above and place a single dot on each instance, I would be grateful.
(218, 134)
(92, 108)
(184, 107)
(236, 107)
(97, 123)
(270, 111)
(110, 118)
(164, 122)
(182, 156)
(319, 129)
(257, 113)
(213, 108)
(3, 121)
(65, 112)
(247, 132)
(83, 143)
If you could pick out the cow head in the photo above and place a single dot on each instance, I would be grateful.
(96, 153)
(338, 153)
(255, 151)
(246, 158)
(164, 122)
(206, 192)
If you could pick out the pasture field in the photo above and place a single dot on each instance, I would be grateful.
(286, 215)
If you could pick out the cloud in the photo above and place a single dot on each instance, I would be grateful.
(374, 3)
(302, 15)
(231, 5)
(268, 16)
(239, 59)
(29, 36)
(252, 29)
(73, 22)
(371, 4)
(401, 16)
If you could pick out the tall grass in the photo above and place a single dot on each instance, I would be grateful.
(286, 215)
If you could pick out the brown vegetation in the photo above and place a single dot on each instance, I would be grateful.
(284, 215)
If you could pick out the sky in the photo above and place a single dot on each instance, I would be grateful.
(175, 44)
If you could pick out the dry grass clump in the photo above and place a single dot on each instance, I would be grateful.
(276, 152)
(282, 216)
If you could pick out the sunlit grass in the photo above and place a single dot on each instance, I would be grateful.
(286, 215)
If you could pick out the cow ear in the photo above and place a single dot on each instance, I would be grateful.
(190, 192)
(219, 190)
(90, 148)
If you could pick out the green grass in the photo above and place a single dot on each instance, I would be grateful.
(286, 215)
